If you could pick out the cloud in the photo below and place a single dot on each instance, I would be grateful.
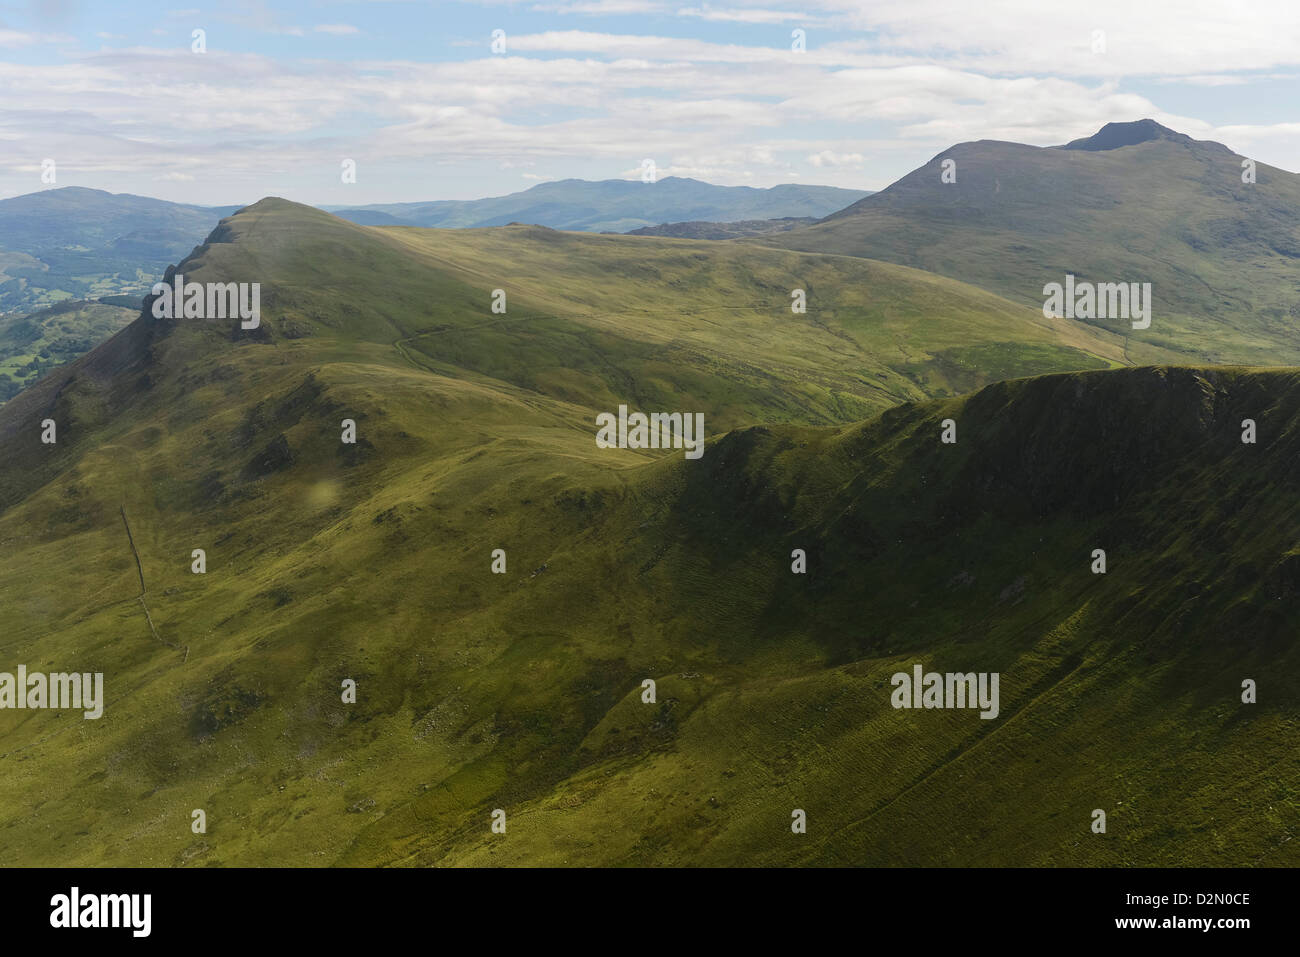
(1008, 37)
(831, 158)
(882, 88)
(743, 15)
(17, 38)
(291, 113)
(1154, 38)
(649, 47)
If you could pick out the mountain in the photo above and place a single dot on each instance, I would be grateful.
(1136, 202)
(329, 562)
(612, 205)
(1115, 135)
(32, 345)
(76, 243)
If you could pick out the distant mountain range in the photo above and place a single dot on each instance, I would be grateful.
(612, 205)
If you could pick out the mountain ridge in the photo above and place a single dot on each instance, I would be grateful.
(1214, 234)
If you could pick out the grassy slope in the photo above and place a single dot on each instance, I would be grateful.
(1223, 257)
(521, 691)
(873, 333)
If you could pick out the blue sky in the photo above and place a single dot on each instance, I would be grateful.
(284, 92)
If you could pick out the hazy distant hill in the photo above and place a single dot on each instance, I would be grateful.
(76, 243)
(613, 205)
(1136, 202)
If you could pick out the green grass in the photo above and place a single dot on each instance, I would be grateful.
(522, 691)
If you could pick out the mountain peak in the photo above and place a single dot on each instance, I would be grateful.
(1112, 136)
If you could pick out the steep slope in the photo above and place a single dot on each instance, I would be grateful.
(613, 205)
(522, 691)
(1133, 203)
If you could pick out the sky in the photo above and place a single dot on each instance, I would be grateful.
(282, 94)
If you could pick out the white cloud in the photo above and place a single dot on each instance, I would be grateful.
(860, 109)
(1153, 38)
(742, 15)
(831, 158)
(16, 38)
